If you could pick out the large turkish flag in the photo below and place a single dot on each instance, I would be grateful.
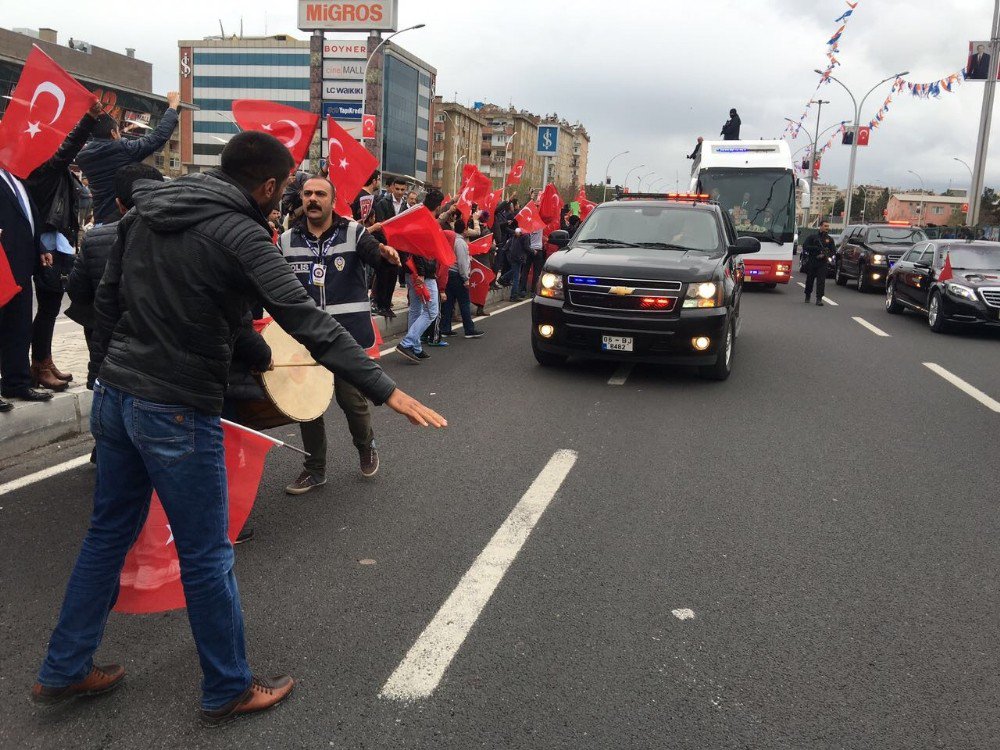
(46, 104)
(293, 127)
(528, 218)
(417, 232)
(349, 165)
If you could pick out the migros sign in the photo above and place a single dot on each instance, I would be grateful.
(360, 15)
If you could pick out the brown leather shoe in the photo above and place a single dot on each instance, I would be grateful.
(100, 680)
(64, 376)
(42, 375)
(263, 693)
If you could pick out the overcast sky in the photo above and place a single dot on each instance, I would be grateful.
(643, 75)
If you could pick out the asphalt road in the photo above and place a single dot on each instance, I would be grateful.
(803, 556)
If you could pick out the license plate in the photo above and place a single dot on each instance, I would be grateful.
(616, 343)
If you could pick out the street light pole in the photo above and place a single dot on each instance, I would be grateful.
(643, 178)
(854, 140)
(985, 122)
(638, 184)
(458, 163)
(968, 196)
(921, 209)
(629, 174)
(607, 174)
(364, 95)
(812, 161)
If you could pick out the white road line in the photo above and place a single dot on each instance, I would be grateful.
(391, 349)
(826, 299)
(971, 390)
(621, 375)
(865, 324)
(419, 673)
(38, 476)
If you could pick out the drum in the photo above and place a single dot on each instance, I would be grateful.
(297, 390)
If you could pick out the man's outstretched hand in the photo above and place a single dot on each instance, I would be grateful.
(416, 412)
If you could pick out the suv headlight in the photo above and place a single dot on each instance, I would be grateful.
(961, 291)
(551, 286)
(703, 294)
(878, 260)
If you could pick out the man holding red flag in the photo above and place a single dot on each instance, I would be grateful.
(189, 260)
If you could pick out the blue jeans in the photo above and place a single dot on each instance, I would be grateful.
(421, 313)
(457, 291)
(514, 274)
(142, 445)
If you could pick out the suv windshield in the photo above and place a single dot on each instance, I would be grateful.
(670, 228)
(895, 235)
(971, 257)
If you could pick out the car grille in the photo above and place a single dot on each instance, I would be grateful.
(635, 295)
(991, 295)
(893, 257)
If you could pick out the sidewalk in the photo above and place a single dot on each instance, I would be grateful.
(34, 425)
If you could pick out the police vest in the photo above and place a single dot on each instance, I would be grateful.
(343, 291)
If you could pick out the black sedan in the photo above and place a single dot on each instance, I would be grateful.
(952, 282)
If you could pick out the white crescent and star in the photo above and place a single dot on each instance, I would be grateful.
(46, 87)
(296, 132)
(343, 163)
(472, 276)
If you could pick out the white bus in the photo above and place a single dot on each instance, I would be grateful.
(755, 182)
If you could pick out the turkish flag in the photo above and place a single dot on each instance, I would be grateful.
(864, 134)
(481, 246)
(480, 278)
(374, 352)
(293, 127)
(417, 232)
(516, 172)
(550, 203)
(349, 165)
(490, 203)
(586, 206)
(8, 287)
(528, 219)
(44, 107)
(368, 126)
(151, 578)
(475, 188)
(467, 171)
(946, 272)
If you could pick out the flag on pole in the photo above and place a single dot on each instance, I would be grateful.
(151, 578)
(481, 246)
(516, 172)
(480, 278)
(292, 126)
(528, 219)
(44, 107)
(417, 232)
(947, 274)
(349, 165)
(550, 203)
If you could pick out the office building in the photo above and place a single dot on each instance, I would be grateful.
(457, 138)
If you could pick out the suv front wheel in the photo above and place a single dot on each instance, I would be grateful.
(862, 282)
(838, 276)
(723, 366)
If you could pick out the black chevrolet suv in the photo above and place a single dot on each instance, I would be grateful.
(646, 278)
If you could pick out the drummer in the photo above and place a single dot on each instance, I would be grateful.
(328, 254)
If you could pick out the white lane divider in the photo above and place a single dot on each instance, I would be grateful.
(621, 375)
(865, 324)
(826, 299)
(967, 388)
(419, 674)
(38, 476)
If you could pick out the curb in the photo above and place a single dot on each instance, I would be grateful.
(35, 425)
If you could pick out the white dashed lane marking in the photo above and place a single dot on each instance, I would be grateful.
(826, 299)
(966, 388)
(865, 324)
(621, 375)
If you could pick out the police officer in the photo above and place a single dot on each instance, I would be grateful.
(818, 249)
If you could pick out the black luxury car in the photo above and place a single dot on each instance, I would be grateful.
(645, 279)
(949, 281)
(868, 251)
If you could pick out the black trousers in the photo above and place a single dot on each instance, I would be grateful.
(386, 277)
(15, 340)
(44, 324)
(817, 275)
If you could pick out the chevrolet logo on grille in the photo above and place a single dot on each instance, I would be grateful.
(621, 291)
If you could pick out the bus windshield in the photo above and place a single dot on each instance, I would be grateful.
(761, 201)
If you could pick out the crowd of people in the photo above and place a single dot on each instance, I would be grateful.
(168, 279)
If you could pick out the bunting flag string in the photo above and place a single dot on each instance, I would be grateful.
(931, 90)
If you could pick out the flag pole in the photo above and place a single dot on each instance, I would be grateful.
(279, 443)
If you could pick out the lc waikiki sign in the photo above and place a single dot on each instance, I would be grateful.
(352, 15)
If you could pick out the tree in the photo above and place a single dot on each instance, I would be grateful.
(989, 211)
(838, 206)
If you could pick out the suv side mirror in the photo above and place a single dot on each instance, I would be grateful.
(559, 238)
(922, 266)
(745, 245)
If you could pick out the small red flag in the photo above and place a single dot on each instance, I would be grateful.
(374, 352)
(293, 127)
(481, 246)
(490, 203)
(467, 171)
(550, 203)
(151, 578)
(45, 106)
(349, 165)
(480, 278)
(946, 272)
(8, 287)
(447, 200)
(417, 232)
(586, 206)
(516, 172)
(528, 218)
(368, 126)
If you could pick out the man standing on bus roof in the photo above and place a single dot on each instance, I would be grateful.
(818, 249)
(731, 130)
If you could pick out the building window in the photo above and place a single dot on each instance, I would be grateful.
(159, 161)
(400, 117)
(438, 137)
(175, 162)
(438, 175)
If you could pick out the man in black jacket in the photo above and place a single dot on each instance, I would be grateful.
(188, 262)
(731, 130)
(391, 204)
(818, 249)
(108, 152)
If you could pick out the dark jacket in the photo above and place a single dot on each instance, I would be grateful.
(818, 249)
(21, 245)
(731, 130)
(101, 159)
(291, 199)
(53, 187)
(188, 261)
(518, 248)
(88, 268)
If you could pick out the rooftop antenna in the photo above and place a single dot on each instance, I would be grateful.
(241, 27)
(222, 31)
